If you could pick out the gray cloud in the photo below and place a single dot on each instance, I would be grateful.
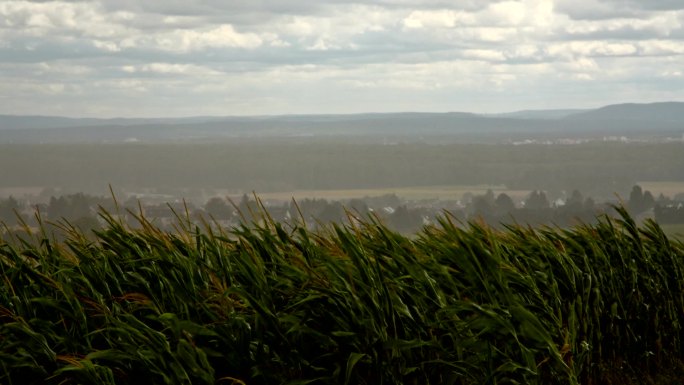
(126, 57)
(659, 5)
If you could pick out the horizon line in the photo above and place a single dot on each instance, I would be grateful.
(304, 114)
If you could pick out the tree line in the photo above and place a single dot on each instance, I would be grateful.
(81, 210)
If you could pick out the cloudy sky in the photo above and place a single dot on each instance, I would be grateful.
(241, 57)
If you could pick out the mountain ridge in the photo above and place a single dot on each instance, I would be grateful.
(635, 111)
(645, 120)
(621, 111)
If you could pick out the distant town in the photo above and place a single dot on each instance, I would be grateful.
(537, 208)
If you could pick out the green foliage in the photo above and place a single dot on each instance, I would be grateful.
(265, 304)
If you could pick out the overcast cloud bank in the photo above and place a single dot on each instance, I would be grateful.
(211, 57)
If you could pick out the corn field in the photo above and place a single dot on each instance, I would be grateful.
(268, 303)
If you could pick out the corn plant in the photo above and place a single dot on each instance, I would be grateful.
(267, 303)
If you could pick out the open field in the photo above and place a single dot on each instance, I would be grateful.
(669, 188)
(424, 193)
(674, 231)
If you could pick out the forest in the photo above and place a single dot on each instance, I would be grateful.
(599, 169)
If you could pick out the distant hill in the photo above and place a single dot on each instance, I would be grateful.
(666, 111)
(642, 120)
(537, 114)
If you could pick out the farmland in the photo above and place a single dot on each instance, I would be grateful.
(268, 303)
(443, 193)
(667, 188)
(674, 231)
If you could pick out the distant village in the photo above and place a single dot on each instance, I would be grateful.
(85, 212)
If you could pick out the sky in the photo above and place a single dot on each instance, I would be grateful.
(154, 58)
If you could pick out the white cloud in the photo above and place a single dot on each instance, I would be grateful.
(63, 18)
(436, 19)
(672, 74)
(585, 49)
(484, 54)
(223, 36)
(108, 46)
(128, 85)
(305, 57)
(62, 69)
(525, 51)
(509, 12)
(662, 47)
(583, 65)
(661, 25)
(299, 27)
(170, 69)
